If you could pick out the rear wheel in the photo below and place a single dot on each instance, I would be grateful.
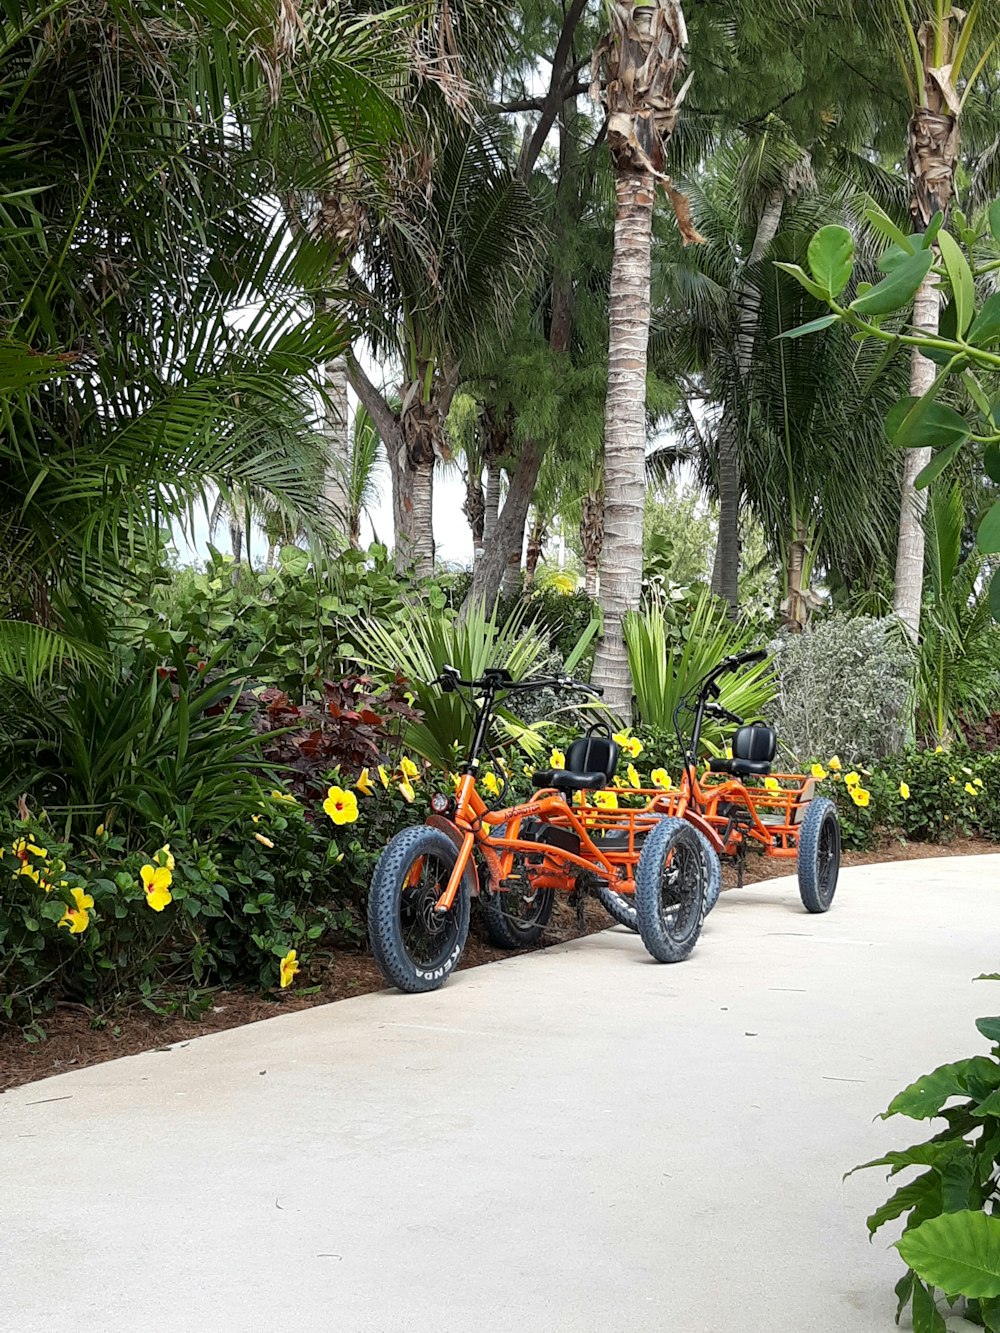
(819, 855)
(517, 916)
(417, 947)
(670, 885)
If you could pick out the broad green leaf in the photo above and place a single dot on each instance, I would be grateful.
(897, 290)
(927, 1318)
(989, 1106)
(956, 1182)
(990, 1028)
(891, 259)
(800, 275)
(989, 531)
(975, 391)
(937, 465)
(963, 284)
(986, 329)
(991, 460)
(905, 1198)
(831, 259)
(293, 561)
(930, 236)
(885, 226)
(927, 425)
(932, 1153)
(904, 1290)
(897, 414)
(924, 1098)
(995, 219)
(958, 1252)
(814, 326)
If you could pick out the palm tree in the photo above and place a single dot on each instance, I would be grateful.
(641, 58)
(136, 218)
(943, 52)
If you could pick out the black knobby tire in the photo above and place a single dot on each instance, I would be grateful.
(819, 855)
(415, 948)
(670, 883)
(619, 906)
(516, 917)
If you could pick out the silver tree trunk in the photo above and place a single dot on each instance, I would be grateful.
(910, 550)
(492, 515)
(625, 431)
(413, 507)
(336, 430)
(726, 573)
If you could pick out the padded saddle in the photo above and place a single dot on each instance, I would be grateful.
(754, 749)
(591, 762)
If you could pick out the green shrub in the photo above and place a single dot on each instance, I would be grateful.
(843, 687)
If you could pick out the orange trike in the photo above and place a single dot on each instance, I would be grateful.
(516, 858)
(737, 803)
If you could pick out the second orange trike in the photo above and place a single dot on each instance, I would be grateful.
(516, 858)
(738, 803)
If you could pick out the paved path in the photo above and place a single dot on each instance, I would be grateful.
(579, 1141)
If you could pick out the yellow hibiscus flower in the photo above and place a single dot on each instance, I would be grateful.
(289, 967)
(156, 880)
(408, 768)
(772, 784)
(341, 806)
(406, 791)
(939, 749)
(904, 790)
(633, 776)
(834, 765)
(860, 797)
(853, 779)
(557, 759)
(979, 783)
(284, 796)
(973, 791)
(491, 783)
(606, 800)
(165, 857)
(383, 775)
(77, 917)
(819, 772)
(364, 783)
(661, 778)
(632, 745)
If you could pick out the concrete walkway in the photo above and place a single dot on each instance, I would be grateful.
(579, 1141)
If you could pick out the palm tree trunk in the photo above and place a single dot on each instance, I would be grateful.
(336, 432)
(536, 545)
(491, 516)
(416, 537)
(591, 538)
(726, 572)
(795, 608)
(625, 430)
(933, 157)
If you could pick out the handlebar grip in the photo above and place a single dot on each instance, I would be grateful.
(750, 659)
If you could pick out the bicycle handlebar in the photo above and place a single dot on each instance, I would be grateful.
(498, 678)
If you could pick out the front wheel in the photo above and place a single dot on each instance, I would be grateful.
(416, 947)
(819, 855)
(670, 890)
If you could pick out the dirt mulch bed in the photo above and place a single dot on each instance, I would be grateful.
(77, 1037)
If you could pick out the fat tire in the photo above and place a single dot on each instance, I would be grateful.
(658, 936)
(620, 907)
(385, 932)
(816, 896)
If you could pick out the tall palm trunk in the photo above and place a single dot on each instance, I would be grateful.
(641, 58)
(625, 432)
(796, 610)
(934, 141)
(336, 432)
(536, 545)
(726, 572)
(591, 538)
(491, 515)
